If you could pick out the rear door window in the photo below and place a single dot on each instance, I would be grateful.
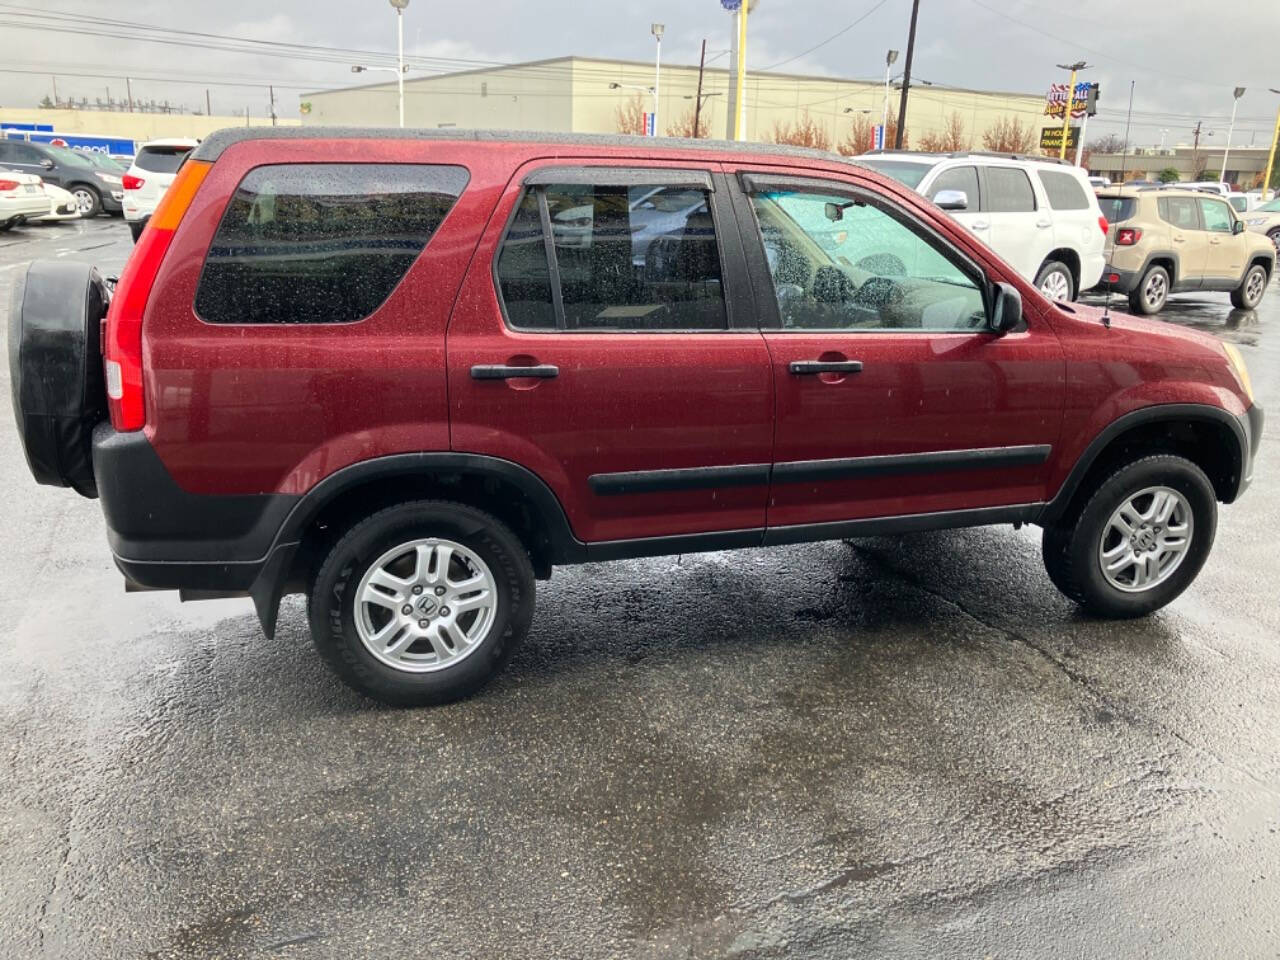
(321, 242)
(1179, 211)
(1064, 191)
(161, 159)
(1009, 191)
(626, 257)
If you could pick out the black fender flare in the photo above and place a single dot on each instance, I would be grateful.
(1170, 412)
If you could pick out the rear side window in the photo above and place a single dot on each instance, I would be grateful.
(638, 257)
(161, 159)
(1179, 211)
(1009, 191)
(321, 242)
(1118, 209)
(1063, 190)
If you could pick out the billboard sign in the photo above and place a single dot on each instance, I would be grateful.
(1051, 139)
(1055, 103)
(84, 142)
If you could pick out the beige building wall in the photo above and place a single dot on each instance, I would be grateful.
(137, 126)
(573, 94)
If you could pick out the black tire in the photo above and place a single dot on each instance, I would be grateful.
(88, 200)
(135, 228)
(1070, 548)
(1145, 301)
(1241, 297)
(1052, 267)
(331, 608)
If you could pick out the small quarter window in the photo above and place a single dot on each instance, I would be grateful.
(323, 242)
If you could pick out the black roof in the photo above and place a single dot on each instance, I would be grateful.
(212, 146)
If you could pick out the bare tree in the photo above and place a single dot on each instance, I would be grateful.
(1110, 143)
(1009, 135)
(629, 116)
(950, 139)
(806, 132)
(683, 126)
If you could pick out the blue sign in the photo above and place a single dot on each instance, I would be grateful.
(731, 5)
(84, 142)
(33, 127)
(649, 129)
(877, 140)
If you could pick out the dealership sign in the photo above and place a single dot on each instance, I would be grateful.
(1051, 138)
(1055, 104)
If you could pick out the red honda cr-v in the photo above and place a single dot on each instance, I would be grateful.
(408, 373)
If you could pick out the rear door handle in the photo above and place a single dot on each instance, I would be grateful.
(805, 367)
(1178, 238)
(1043, 224)
(1216, 242)
(499, 371)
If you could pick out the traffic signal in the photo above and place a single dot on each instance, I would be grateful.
(1091, 102)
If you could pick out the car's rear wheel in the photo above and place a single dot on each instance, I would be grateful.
(422, 603)
(1137, 541)
(1249, 294)
(88, 200)
(1055, 281)
(1152, 291)
(135, 228)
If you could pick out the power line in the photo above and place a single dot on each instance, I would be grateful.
(839, 33)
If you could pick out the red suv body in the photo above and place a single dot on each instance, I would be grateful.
(533, 352)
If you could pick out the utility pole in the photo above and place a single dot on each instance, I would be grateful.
(1195, 150)
(208, 104)
(697, 100)
(272, 90)
(906, 77)
(1071, 105)
(55, 91)
(128, 86)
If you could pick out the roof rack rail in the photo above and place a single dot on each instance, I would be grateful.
(961, 154)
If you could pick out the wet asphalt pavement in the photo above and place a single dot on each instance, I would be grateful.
(900, 748)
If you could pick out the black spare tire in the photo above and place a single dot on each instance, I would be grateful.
(55, 368)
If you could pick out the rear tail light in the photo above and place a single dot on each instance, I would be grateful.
(131, 182)
(1113, 278)
(1128, 236)
(7, 185)
(122, 356)
(1103, 225)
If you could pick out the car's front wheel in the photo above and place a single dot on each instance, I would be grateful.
(422, 603)
(1055, 281)
(1152, 291)
(1137, 541)
(1274, 236)
(1249, 294)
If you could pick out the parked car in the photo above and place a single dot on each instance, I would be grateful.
(1039, 214)
(1171, 241)
(1099, 182)
(1266, 219)
(149, 176)
(389, 384)
(61, 204)
(95, 190)
(107, 162)
(1206, 186)
(21, 198)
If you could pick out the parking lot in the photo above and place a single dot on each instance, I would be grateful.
(889, 747)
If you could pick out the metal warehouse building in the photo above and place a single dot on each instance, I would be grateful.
(583, 94)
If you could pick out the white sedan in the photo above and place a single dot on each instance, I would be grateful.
(20, 198)
(62, 205)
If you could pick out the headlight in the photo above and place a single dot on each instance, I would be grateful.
(1256, 221)
(108, 178)
(1242, 372)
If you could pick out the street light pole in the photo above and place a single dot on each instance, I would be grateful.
(1071, 92)
(657, 31)
(890, 59)
(1238, 92)
(399, 8)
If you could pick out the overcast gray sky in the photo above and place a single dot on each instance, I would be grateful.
(1185, 59)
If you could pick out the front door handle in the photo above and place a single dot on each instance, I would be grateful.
(500, 371)
(1179, 238)
(805, 367)
(1044, 224)
(1216, 242)
(980, 225)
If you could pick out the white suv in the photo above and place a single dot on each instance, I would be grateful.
(149, 175)
(1040, 215)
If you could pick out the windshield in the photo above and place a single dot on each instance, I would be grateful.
(69, 157)
(907, 173)
(104, 162)
(1272, 207)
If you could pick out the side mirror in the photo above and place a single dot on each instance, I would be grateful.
(1006, 312)
(1237, 227)
(952, 199)
(46, 163)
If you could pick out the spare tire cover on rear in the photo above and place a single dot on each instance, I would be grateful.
(55, 368)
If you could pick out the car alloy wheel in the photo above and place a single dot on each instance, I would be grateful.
(1146, 539)
(86, 202)
(1056, 286)
(1255, 285)
(425, 605)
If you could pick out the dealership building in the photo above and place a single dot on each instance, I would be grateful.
(1244, 164)
(585, 95)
